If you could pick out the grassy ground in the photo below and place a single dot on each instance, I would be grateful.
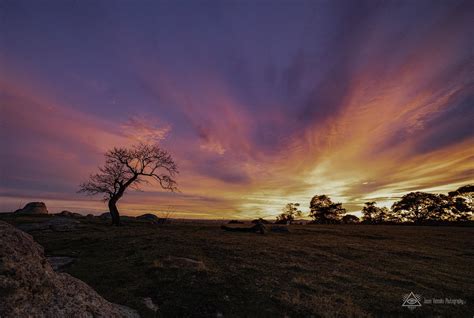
(326, 270)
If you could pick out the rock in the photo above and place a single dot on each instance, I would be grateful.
(235, 222)
(59, 224)
(148, 302)
(59, 262)
(69, 214)
(280, 229)
(90, 216)
(33, 208)
(151, 218)
(105, 215)
(183, 262)
(30, 287)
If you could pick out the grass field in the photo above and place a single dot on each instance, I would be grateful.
(325, 270)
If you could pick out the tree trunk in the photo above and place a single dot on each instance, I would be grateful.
(114, 199)
(114, 211)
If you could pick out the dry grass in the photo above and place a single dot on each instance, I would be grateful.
(320, 271)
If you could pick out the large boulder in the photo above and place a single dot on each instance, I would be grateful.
(33, 208)
(29, 287)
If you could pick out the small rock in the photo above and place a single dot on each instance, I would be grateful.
(150, 304)
(105, 215)
(151, 218)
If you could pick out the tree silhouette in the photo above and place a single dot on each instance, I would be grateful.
(372, 214)
(128, 167)
(419, 207)
(368, 212)
(289, 213)
(324, 211)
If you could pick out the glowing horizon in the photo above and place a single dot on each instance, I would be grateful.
(260, 105)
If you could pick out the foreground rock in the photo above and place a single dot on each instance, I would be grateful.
(33, 208)
(30, 288)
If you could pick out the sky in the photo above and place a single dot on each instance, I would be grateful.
(260, 103)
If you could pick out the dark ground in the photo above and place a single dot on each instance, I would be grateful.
(316, 270)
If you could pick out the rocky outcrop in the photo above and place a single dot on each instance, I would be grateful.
(33, 208)
(30, 288)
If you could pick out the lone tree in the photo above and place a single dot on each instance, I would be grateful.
(324, 211)
(129, 167)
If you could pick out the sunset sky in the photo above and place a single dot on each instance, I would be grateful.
(261, 103)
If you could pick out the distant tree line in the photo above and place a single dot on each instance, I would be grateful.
(414, 207)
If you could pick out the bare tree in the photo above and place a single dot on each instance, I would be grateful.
(130, 167)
